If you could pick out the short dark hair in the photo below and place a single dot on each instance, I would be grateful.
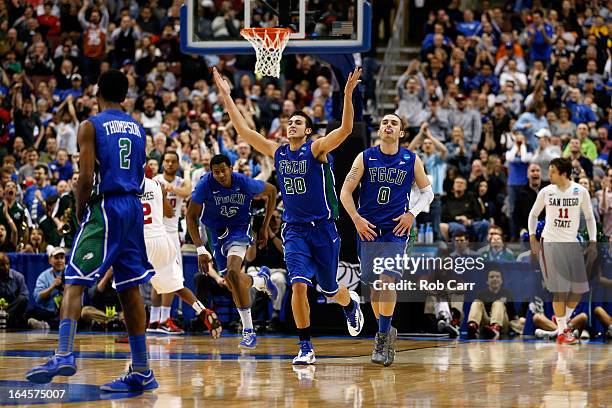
(461, 234)
(113, 86)
(309, 124)
(220, 159)
(171, 152)
(402, 124)
(563, 165)
(42, 166)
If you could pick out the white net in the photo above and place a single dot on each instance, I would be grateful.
(269, 44)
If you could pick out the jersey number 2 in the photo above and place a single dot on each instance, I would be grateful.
(125, 149)
(146, 210)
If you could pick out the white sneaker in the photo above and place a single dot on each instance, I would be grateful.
(37, 324)
(354, 321)
(306, 354)
(585, 336)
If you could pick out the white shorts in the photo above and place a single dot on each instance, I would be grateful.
(168, 276)
(176, 241)
(563, 267)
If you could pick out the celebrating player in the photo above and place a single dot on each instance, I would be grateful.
(162, 253)
(310, 237)
(176, 189)
(385, 175)
(111, 179)
(563, 269)
(227, 197)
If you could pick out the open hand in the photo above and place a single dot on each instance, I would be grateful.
(352, 81)
(365, 229)
(223, 86)
(404, 224)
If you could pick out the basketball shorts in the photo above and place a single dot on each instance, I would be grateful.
(375, 256)
(162, 254)
(229, 241)
(176, 242)
(312, 251)
(112, 234)
(563, 267)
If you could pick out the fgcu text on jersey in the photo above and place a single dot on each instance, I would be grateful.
(385, 186)
(120, 153)
(226, 207)
(306, 184)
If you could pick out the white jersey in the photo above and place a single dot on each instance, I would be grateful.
(153, 208)
(562, 211)
(176, 202)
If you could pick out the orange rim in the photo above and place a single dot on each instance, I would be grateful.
(261, 32)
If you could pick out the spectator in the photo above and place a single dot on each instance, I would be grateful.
(587, 147)
(27, 123)
(460, 212)
(94, 38)
(61, 169)
(458, 154)
(493, 309)
(518, 158)
(530, 122)
(64, 214)
(104, 312)
(581, 112)
(539, 37)
(486, 201)
(8, 235)
(438, 119)
(68, 126)
(48, 155)
(49, 289)
(526, 196)
(36, 195)
(545, 152)
(563, 127)
(461, 241)
(26, 171)
(14, 291)
(604, 197)
(578, 160)
(17, 213)
(152, 118)
(469, 121)
(496, 251)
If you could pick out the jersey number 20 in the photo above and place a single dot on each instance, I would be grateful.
(295, 185)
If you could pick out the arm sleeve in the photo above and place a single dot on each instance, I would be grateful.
(589, 217)
(423, 201)
(537, 208)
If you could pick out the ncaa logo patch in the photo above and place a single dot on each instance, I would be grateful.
(576, 191)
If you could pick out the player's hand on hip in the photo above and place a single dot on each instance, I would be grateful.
(365, 229)
(352, 81)
(535, 245)
(404, 224)
(203, 261)
(262, 238)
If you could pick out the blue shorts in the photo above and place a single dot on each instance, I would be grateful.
(223, 239)
(372, 254)
(312, 251)
(111, 235)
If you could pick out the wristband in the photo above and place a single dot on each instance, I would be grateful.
(201, 250)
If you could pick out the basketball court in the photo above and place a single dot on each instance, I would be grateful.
(198, 371)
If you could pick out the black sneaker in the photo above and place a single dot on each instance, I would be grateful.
(384, 347)
(378, 354)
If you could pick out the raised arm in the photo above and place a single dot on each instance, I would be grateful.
(326, 144)
(260, 143)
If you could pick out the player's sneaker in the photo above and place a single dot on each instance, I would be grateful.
(249, 340)
(473, 331)
(57, 365)
(491, 331)
(132, 381)
(153, 327)
(583, 335)
(609, 333)
(169, 327)
(354, 320)
(448, 327)
(212, 323)
(567, 337)
(271, 288)
(384, 347)
(545, 334)
(306, 354)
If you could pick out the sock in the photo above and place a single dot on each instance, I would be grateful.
(384, 324)
(259, 282)
(198, 307)
(561, 324)
(67, 330)
(568, 313)
(245, 316)
(304, 333)
(165, 314)
(442, 310)
(138, 346)
(155, 314)
(275, 314)
(350, 308)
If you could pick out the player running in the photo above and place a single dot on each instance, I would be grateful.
(226, 197)
(563, 267)
(162, 253)
(310, 237)
(111, 179)
(385, 175)
(177, 189)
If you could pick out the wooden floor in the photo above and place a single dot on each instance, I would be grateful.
(196, 371)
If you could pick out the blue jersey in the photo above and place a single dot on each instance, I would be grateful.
(226, 207)
(306, 184)
(120, 153)
(385, 186)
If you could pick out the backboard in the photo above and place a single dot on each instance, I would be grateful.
(319, 26)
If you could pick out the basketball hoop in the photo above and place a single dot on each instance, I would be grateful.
(269, 44)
